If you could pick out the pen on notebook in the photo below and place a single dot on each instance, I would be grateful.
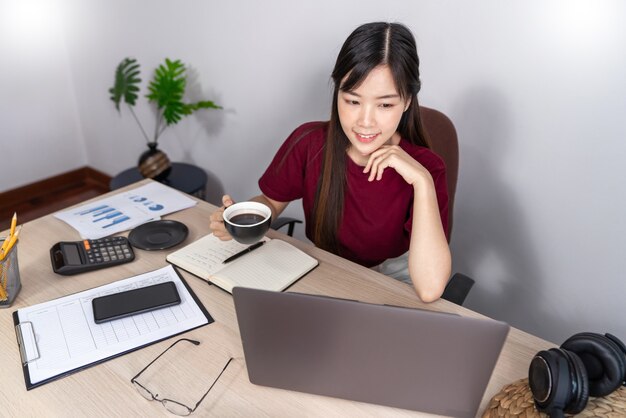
(246, 251)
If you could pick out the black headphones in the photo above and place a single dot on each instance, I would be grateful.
(587, 364)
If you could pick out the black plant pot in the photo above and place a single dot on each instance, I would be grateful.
(154, 164)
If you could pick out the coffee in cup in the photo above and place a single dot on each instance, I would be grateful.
(247, 222)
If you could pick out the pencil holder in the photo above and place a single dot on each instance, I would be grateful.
(10, 283)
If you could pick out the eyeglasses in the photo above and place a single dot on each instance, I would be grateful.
(171, 405)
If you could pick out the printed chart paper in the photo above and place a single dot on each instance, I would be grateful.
(124, 211)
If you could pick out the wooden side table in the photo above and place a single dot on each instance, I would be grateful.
(185, 177)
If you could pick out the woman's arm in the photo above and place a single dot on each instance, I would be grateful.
(430, 262)
(217, 218)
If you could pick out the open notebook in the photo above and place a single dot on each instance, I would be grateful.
(273, 266)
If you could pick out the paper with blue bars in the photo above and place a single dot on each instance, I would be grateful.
(124, 211)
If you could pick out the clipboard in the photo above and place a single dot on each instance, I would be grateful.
(31, 352)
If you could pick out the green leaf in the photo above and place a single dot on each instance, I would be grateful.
(126, 83)
(167, 89)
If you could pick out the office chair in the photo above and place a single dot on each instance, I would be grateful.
(444, 142)
(284, 220)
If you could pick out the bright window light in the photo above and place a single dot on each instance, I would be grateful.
(30, 23)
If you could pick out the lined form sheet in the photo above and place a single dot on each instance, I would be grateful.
(67, 337)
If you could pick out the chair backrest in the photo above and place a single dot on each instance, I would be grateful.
(444, 142)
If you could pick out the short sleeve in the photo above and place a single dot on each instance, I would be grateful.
(284, 179)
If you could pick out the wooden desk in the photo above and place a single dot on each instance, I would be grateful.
(105, 389)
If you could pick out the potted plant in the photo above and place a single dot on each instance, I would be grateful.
(166, 91)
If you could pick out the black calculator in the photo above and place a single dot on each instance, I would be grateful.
(74, 257)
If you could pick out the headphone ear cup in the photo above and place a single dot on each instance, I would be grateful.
(549, 380)
(620, 344)
(622, 347)
(602, 359)
(580, 384)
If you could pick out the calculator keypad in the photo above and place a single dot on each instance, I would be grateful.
(111, 250)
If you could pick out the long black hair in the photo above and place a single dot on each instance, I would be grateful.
(368, 46)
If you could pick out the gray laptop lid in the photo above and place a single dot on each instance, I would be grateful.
(407, 358)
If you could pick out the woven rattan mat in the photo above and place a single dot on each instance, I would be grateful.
(515, 400)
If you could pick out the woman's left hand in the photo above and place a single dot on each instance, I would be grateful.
(395, 157)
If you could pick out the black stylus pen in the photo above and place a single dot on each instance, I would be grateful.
(246, 251)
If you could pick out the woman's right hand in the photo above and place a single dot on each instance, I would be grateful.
(217, 220)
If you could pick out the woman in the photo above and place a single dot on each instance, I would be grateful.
(371, 188)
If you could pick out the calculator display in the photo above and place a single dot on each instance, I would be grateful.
(71, 255)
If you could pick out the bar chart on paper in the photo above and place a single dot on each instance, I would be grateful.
(109, 214)
(124, 211)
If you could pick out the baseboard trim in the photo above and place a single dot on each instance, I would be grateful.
(40, 193)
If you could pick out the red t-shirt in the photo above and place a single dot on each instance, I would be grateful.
(377, 215)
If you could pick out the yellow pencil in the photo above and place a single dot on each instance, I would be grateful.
(13, 223)
(9, 244)
(4, 249)
(5, 244)
(3, 283)
(4, 275)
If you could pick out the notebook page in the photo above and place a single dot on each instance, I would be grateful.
(274, 266)
(205, 256)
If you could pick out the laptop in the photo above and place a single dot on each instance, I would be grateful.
(401, 357)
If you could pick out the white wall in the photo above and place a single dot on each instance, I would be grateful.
(40, 134)
(536, 89)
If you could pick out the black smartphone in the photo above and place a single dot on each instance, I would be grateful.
(130, 302)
